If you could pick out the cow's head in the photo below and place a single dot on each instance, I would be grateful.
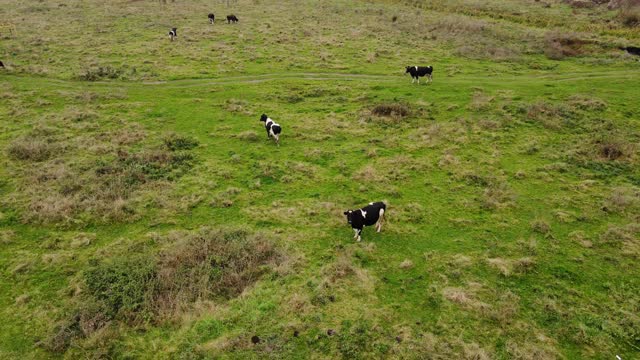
(349, 214)
(263, 117)
(409, 68)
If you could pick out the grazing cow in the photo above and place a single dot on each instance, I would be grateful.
(212, 18)
(367, 216)
(419, 71)
(633, 50)
(173, 33)
(273, 129)
(2, 65)
(231, 19)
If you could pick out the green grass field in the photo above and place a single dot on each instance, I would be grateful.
(144, 213)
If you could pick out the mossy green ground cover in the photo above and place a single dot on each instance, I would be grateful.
(512, 185)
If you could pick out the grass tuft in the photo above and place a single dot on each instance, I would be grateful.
(559, 45)
(32, 149)
(397, 110)
(175, 142)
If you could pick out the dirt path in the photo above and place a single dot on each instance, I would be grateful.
(459, 78)
(622, 74)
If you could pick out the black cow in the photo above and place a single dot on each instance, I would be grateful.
(273, 129)
(633, 50)
(231, 19)
(419, 71)
(212, 18)
(367, 216)
(2, 65)
(173, 33)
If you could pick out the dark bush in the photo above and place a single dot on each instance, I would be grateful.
(138, 168)
(125, 285)
(611, 150)
(205, 265)
(89, 318)
(63, 334)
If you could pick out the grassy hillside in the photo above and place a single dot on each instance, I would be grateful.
(144, 213)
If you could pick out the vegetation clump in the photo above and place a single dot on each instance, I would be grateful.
(396, 110)
(559, 45)
(175, 142)
(101, 72)
(209, 264)
(32, 148)
(630, 15)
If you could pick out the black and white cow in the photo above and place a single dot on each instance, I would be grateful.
(273, 129)
(212, 18)
(372, 214)
(419, 71)
(173, 33)
(231, 19)
(633, 50)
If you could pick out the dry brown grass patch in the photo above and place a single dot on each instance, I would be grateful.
(560, 44)
(397, 110)
(612, 148)
(448, 159)
(466, 297)
(508, 267)
(581, 4)
(31, 148)
(371, 175)
(587, 103)
(623, 198)
(630, 16)
(498, 196)
(387, 113)
(6, 236)
(406, 264)
(341, 268)
(237, 106)
(541, 349)
(453, 25)
(626, 237)
(211, 263)
(551, 116)
(541, 226)
(248, 135)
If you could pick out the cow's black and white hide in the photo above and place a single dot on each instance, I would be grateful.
(212, 18)
(231, 19)
(173, 33)
(372, 214)
(419, 71)
(633, 50)
(273, 129)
